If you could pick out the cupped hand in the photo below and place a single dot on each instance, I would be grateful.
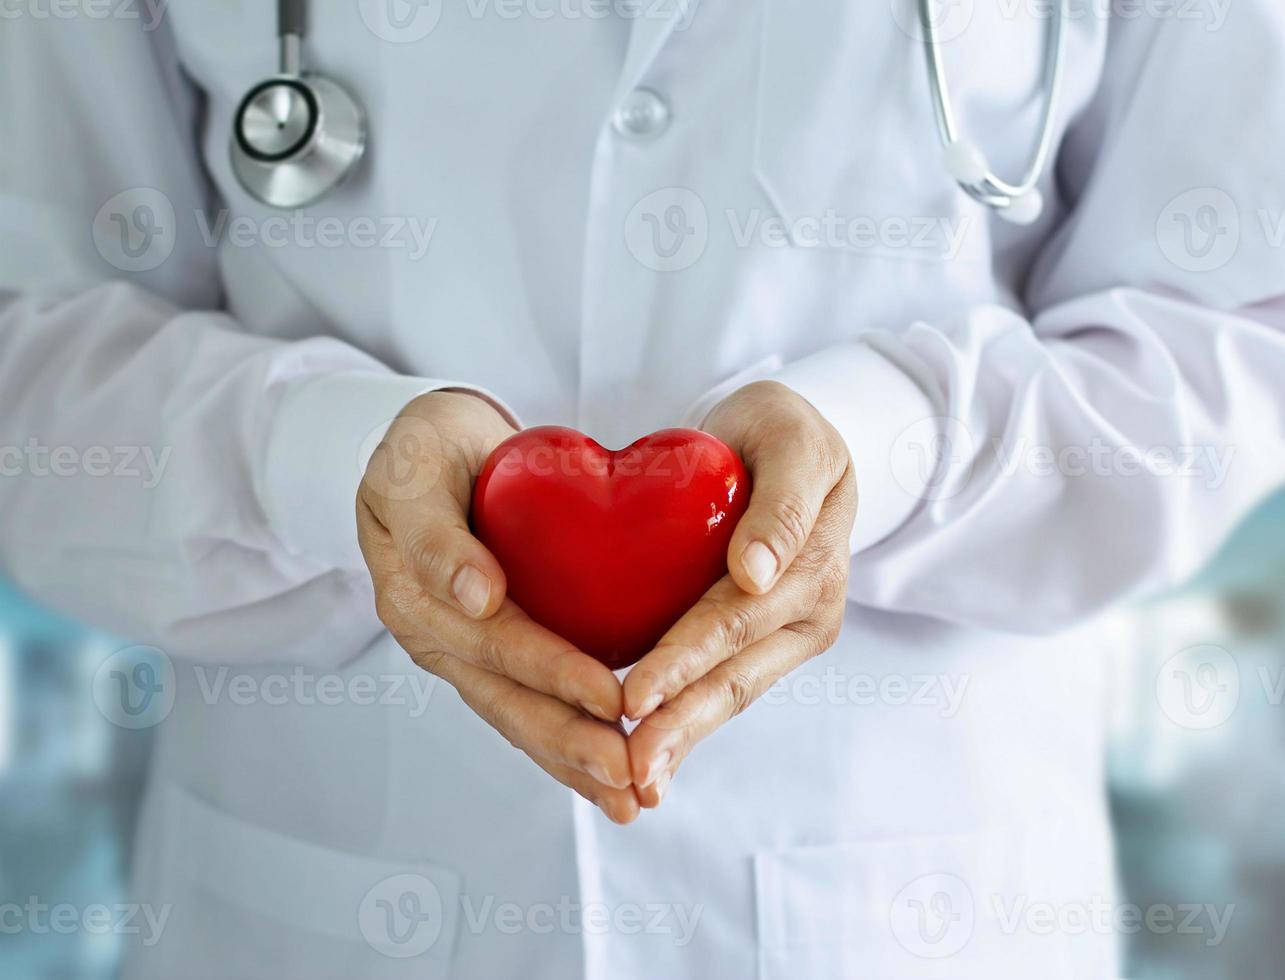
(441, 594)
(782, 600)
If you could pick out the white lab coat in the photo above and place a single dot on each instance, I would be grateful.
(862, 821)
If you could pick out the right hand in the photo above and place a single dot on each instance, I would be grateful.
(440, 592)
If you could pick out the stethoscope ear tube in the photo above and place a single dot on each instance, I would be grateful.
(1020, 202)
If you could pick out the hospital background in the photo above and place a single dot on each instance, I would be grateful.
(1197, 784)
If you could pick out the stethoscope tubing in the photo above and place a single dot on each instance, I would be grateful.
(992, 190)
(988, 189)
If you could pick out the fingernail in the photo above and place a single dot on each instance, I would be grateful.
(597, 710)
(648, 706)
(760, 564)
(472, 590)
(662, 784)
(599, 772)
(659, 766)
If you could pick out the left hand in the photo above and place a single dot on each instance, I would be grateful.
(782, 601)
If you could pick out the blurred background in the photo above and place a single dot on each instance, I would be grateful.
(1196, 749)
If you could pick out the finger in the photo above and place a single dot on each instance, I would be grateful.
(663, 739)
(727, 620)
(512, 644)
(620, 805)
(376, 544)
(653, 794)
(792, 473)
(426, 515)
(723, 622)
(541, 726)
(509, 643)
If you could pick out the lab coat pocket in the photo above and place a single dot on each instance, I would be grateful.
(244, 901)
(902, 909)
(845, 143)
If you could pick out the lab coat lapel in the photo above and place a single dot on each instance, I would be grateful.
(654, 24)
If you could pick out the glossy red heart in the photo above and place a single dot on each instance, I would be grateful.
(608, 549)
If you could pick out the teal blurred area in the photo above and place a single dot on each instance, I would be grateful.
(69, 786)
(1197, 762)
(1196, 750)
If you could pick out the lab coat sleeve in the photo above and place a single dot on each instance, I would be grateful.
(1021, 473)
(164, 474)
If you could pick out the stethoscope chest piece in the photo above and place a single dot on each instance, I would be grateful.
(296, 135)
(294, 138)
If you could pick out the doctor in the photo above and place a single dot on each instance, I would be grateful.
(621, 217)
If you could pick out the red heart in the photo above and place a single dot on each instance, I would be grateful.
(608, 549)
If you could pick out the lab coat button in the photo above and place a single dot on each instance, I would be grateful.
(642, 115)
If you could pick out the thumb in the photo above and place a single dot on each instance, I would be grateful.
(790, 482)
(429, 531)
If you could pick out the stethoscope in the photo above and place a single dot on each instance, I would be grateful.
(1022, 202)
(298, 134)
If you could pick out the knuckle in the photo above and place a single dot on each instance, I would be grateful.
(766, 392)
(793, 518)
(387, 611)
(489, 651)
(846, 493)
(734, 626)
(431, 661)
(821, 448)
(757, 432)
(832, 452)
(830, 632)
(688, 664)
(832, 581)
(782, 431)
(821, 633)
(848, 479)
(498, 711)
(810, 561)
(739, 690)
(825, 572)
(419, 548)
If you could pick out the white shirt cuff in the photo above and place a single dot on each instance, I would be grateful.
(326, 429)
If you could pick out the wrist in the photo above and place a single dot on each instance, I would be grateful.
(462, 410)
